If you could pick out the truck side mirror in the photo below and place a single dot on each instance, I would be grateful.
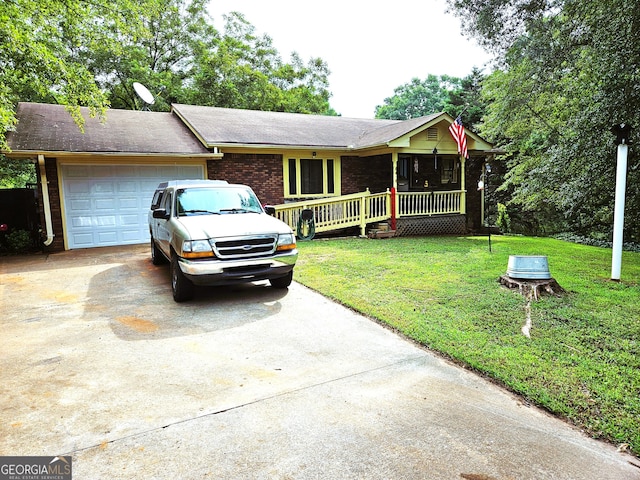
(270, 210)
(160, 213)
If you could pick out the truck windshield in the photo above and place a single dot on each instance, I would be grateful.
(216, 201)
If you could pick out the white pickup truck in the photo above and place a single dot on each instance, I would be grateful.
(216, 233)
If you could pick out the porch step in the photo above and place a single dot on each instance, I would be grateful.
(381, 233)
(381, 230)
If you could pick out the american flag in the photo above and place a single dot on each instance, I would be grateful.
(457, 132)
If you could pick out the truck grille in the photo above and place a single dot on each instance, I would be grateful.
(245, 247)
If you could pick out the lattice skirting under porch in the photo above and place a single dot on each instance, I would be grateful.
(435, 225)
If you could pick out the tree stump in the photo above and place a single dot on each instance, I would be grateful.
(533, 289)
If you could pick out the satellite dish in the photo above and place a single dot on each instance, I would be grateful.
(143, 92)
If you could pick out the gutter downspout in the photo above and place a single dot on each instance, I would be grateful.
(45, 201)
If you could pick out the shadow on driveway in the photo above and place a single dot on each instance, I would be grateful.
(121, 286)
(135, 298)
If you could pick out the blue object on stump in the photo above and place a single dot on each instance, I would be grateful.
(530, 267)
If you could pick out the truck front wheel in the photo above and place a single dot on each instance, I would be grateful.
(282, 282)
(181, 286)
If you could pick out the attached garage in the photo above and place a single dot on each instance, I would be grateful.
(107, 204)
(96, 186)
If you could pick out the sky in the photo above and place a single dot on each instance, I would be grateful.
(371, 48)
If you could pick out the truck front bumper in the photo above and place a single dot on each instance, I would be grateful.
(225, 272)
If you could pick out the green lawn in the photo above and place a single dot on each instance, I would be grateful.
(582, 360)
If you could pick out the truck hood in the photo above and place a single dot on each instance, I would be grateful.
(232, 225)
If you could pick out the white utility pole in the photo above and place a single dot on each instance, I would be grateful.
(622, 132)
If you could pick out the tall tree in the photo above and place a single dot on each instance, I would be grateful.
(569, 71)
(467, 100)
(161, 56)
(89, 52)
(40, 43)
(456, 96)
(244, 70)
(419, 97)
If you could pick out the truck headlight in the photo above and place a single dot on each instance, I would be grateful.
(286, 241)
(196, 249)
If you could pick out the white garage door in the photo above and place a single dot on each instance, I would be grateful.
(108, 204)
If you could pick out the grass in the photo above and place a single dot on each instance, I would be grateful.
(582, 360)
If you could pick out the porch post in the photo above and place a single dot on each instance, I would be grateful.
(463, 185)
(394, 190)
(394, 161)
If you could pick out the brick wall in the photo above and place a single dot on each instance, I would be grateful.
(262, 172)
(360, 173)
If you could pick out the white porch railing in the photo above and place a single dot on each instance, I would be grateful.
(335, 213)
(429, 203)
(359, 209)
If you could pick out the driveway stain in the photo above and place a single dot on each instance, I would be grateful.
(62, 296)
(15, 280)
(138, 324)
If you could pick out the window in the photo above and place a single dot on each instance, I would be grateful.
(292, 177)
(331, 182)
(157, 198)
(201, 201)
(403, 167)
(309, 177)
(449, 172)
(166, 202)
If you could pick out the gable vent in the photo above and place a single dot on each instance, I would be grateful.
(432, 133)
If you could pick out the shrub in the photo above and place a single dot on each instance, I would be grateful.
(19, 241)
(503, 221)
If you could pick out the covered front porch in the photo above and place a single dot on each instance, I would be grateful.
(416, 182)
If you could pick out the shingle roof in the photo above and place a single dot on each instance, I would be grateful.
(387, 133)
(225, 126)
(50, 128)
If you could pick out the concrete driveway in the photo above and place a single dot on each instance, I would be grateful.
(98, 362)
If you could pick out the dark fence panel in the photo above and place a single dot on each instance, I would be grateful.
(19, 211)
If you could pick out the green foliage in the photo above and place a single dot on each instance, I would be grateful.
(581, 362)
(42, 45)
(418, 98)
(572, 237)
(16, 173)
(245, 71)
(568, 73)
(467, 100)
(89, 53)
(160, 55)
(436, 94)
(503, 221)
(19, 241)
(182, 58)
